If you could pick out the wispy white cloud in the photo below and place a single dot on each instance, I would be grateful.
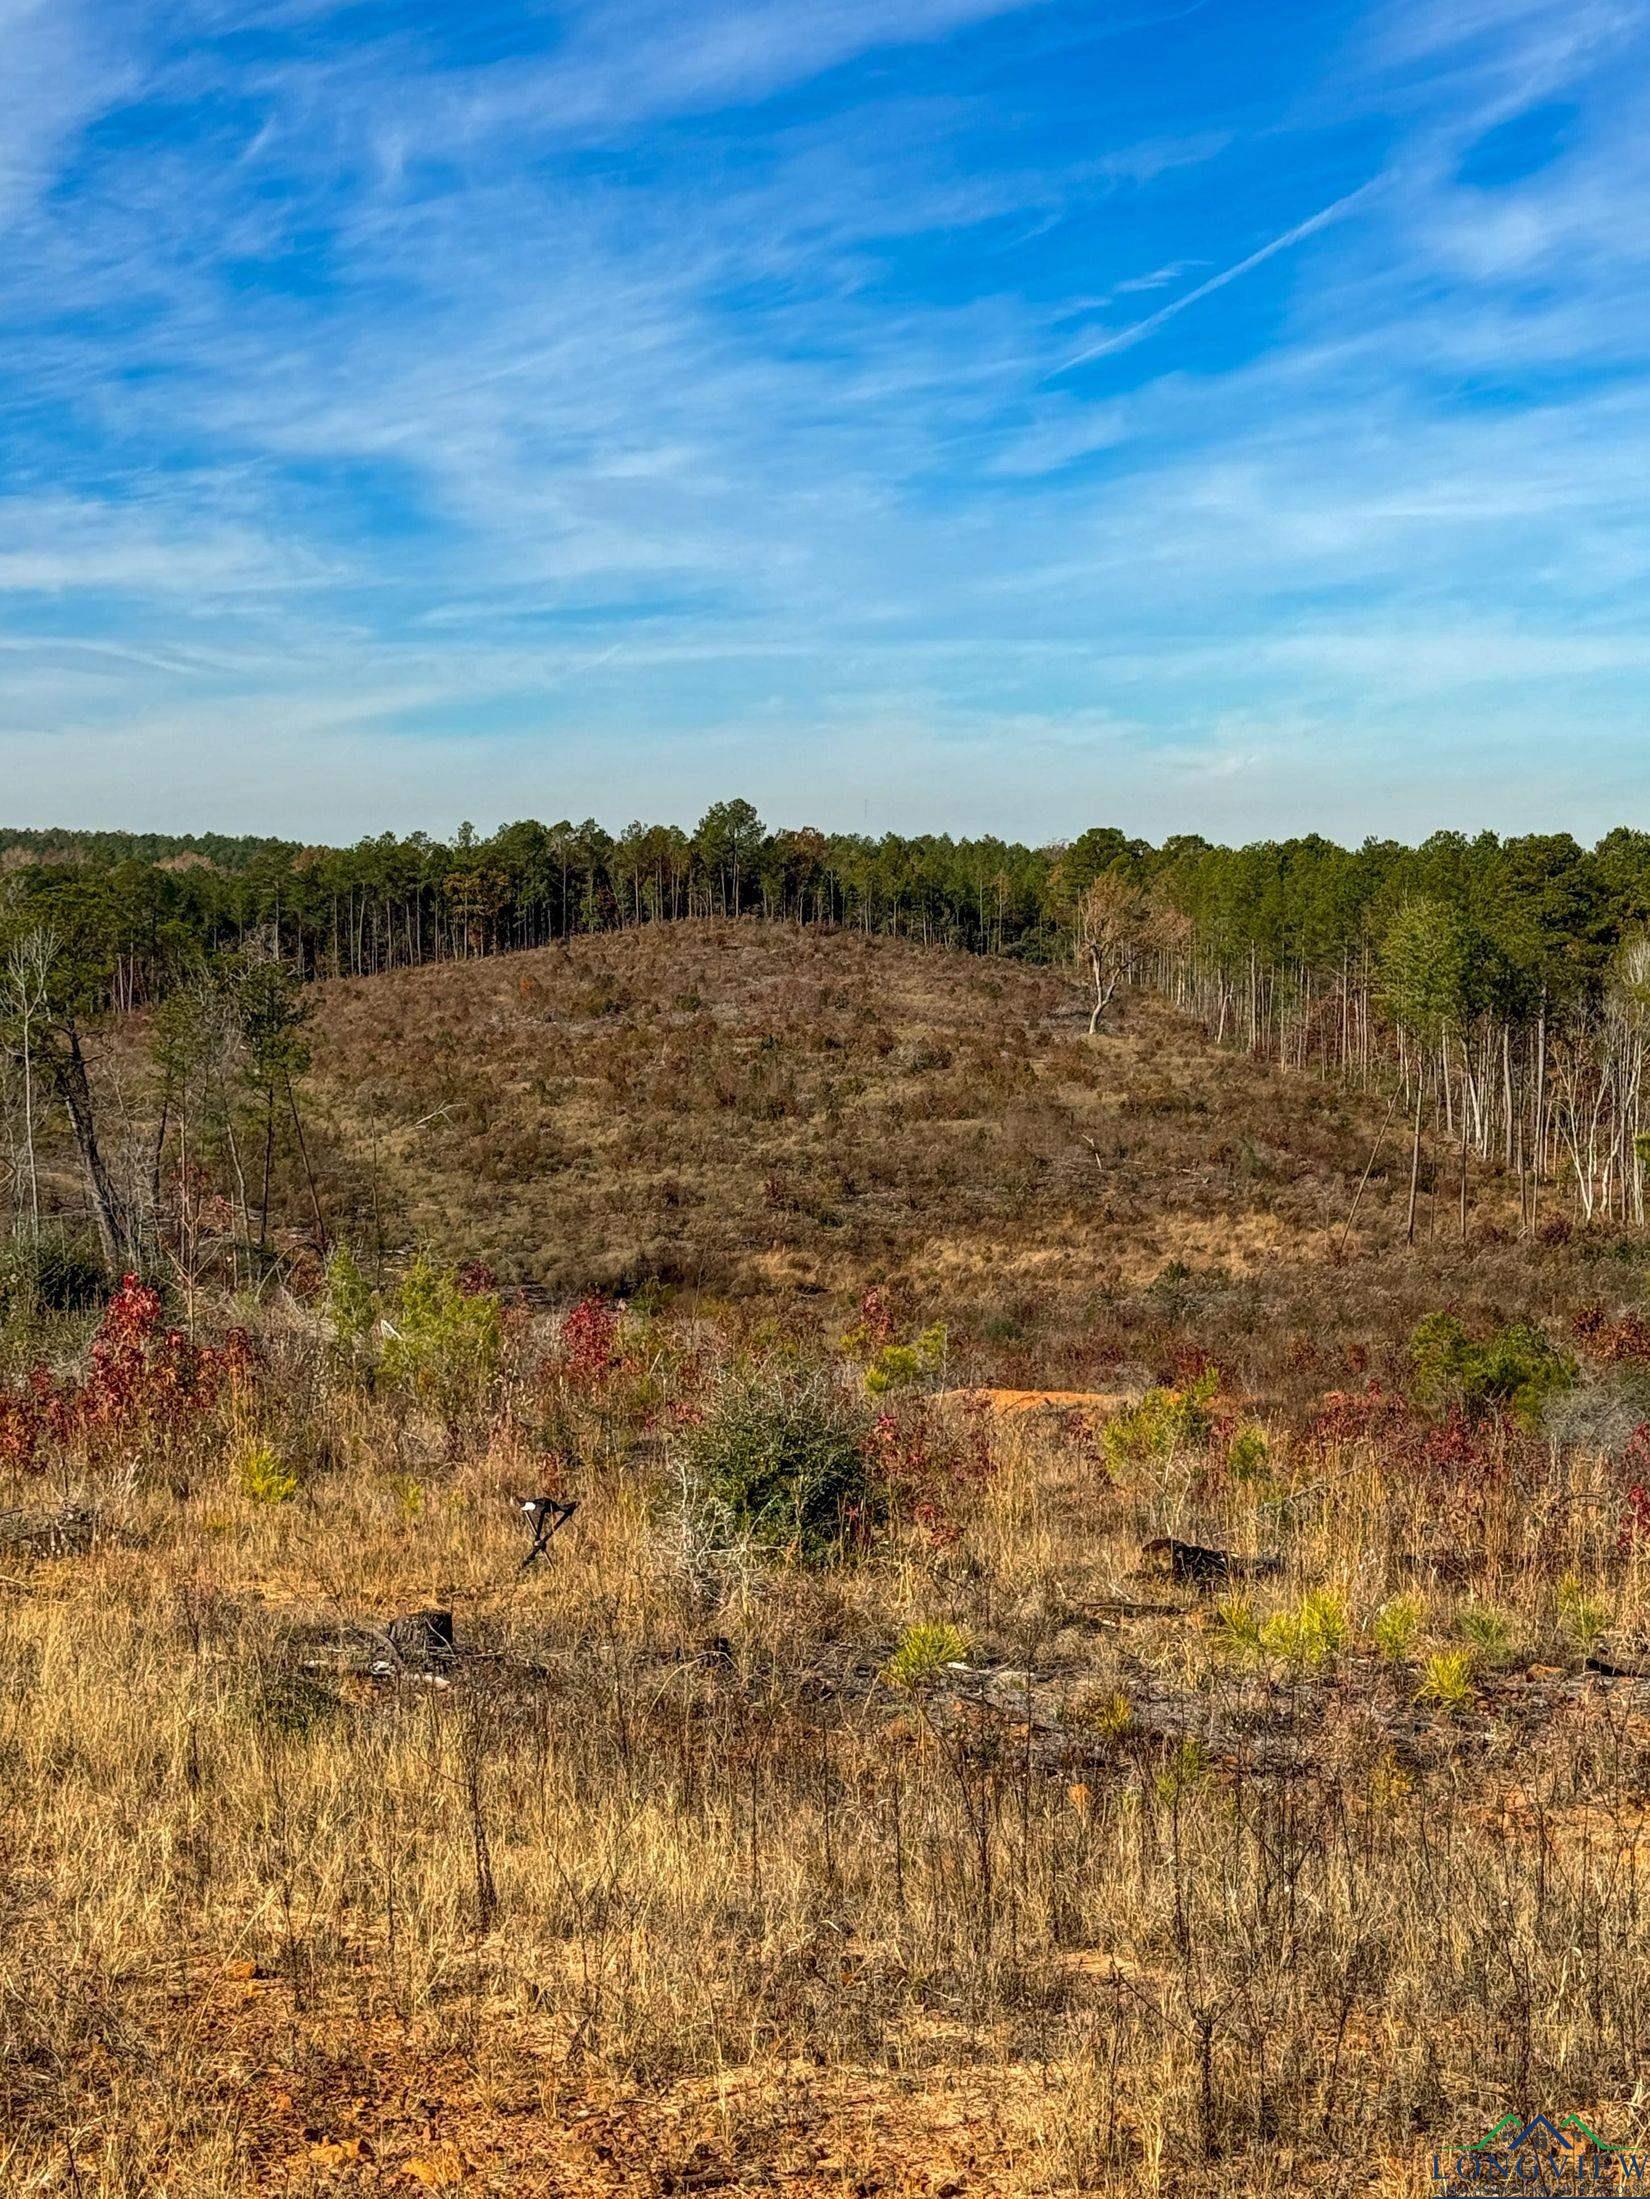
(400, 396)
(60, 66)
(620, 63)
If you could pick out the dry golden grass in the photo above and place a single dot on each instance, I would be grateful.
(668, 1890)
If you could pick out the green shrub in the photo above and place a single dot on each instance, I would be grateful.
(1516, 1369)
(265, 1477)
(1248, 1456)
(1106, 1714)
(1583, 1618)
(1164, 1421)
(1184, 1773)
(1446, 1679)
(442, 1344)
(923, 1650)
(408, 1493)
(1239, 1628)
(903, 1366)
(1488, 1634)
(1311, 1634)
(350, 1306)
(1396, 1625)
(779, 1461)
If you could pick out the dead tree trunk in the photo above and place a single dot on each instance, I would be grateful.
(75, 1090)
(1103, 988)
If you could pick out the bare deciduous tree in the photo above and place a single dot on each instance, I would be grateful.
(1107, 932)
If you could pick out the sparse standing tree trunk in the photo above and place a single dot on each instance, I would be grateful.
(1102, 990)
(75, 1090)
(269, 1159)
(1539, 1126)
(235, 1163)
(28, 1123)
(309, 1173)
(28, 983)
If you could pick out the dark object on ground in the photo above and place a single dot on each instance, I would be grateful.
(419, 1646)
(70, 1532)
(422, 1637)
(544, 1515)
(1621, 1658)
(1202, 1568)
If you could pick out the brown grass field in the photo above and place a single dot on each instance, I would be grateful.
(965, 1855)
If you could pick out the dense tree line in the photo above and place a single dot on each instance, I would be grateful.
(1502, 987)
(1535, 915)
(389, 902)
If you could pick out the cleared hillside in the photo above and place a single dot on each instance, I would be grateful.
(782, 1118)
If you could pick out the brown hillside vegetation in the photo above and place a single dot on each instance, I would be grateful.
(745, 1109)
(781, 1118)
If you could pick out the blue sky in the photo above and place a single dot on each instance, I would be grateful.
(966, 414)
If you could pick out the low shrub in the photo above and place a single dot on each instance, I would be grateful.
(1248, 1455)
(1516, 1369)
(350, 1307)
(1239, 1628)
(889, 1364)
(923, 1650)
(443, 1344)
(1396, 1625)
(1447, 1680)
(1311, 1634)
(1489, 1635)
(1582, 1617)
(265, 1478)
(1164, 1421)
(780, 1460)
(903, 1366)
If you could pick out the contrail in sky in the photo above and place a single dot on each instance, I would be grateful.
(1126, 337)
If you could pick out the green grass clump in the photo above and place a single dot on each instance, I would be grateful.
(925, 1649)
(1488, 1634)
(904, 1366)
(265, 1478)
(1395, 1626)
(1248, 1456)
(1447, 1679)
(1582, 1617)
(1311, 1634)
(1240, 1632)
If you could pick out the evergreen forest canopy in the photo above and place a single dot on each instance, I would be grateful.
(1484, 926)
